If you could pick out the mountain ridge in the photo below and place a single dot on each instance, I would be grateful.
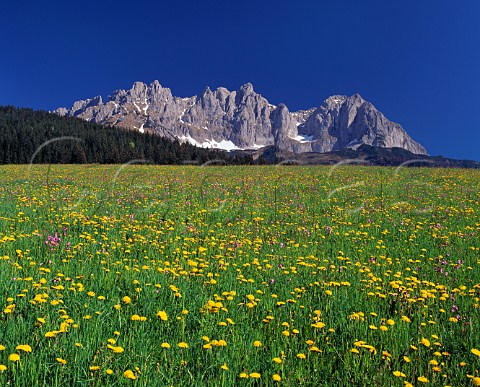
(244, 119)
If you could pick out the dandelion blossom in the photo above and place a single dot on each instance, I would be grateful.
(425, 342)
(162, 315)
(24, 348)
(14, 357)
(129, 375)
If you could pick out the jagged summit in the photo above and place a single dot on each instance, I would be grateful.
(244, 119)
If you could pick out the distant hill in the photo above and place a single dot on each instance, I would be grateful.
(72, 140)
(362, 155)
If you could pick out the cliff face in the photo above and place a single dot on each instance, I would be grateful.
(243, 119)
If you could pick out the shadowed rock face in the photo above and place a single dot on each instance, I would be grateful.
(244, 119)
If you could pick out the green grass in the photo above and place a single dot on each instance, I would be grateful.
(279, 249)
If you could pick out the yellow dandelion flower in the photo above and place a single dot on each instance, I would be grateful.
(224, 367)
(425, 342)
(183, 345)
(2, 348)
(255, 375)
(354, 350)
(475, 351)
(243, 375)
(276, 377)
(165, 345)
(277, 360)
(14, 357)
(383, 328)
(301, 356)
(286, 333)
(129, 375)
(407, 359)
(127, 300)
(2, 368)
(422, 379)
(94, 368)
(24, 348)
(390, 322)
(476, 381)
(163, 315)
(257, 343)
(61, 361)
(109, 371)
(406, 319)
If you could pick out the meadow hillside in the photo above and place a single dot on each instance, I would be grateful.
(315, 276)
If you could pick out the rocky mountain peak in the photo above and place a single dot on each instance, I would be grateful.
(247, 88)
(244, 119)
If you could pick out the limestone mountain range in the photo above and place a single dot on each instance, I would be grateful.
(244, 119)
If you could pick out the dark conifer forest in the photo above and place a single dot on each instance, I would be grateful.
(25, 133)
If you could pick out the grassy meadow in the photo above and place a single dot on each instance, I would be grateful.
(219, 276)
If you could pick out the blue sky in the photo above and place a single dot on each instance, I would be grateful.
(416, 61)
